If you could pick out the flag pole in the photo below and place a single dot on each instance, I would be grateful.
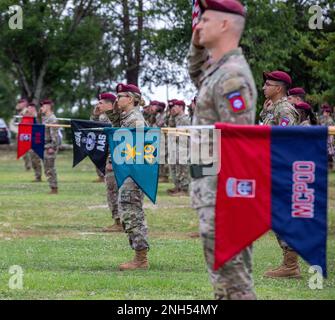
(50, 125)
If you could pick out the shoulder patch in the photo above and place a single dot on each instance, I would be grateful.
(284, 122)
(236, 102)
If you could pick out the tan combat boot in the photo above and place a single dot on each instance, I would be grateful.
(116, 227)
(289, 269)
(172, 191)
(53, 191)
(140, 261)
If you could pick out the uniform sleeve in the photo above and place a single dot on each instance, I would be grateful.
(196, 57)
(286, 117)
(233, 101)
(114, 117)
(54, 139)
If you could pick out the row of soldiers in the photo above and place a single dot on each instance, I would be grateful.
(45, 115)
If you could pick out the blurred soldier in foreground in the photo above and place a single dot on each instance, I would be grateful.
(227, 93)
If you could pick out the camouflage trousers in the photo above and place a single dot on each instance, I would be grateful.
(112, 193)
(132, 214)
(235, 276)
(27, 161)
(50, 169)
(283, 244)
(164, 170)
(180, 176)
(36, 164)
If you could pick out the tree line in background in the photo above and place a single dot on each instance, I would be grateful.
(70, 50)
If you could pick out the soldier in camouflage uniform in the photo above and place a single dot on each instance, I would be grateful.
(283, 114)
(125, 113)
(179, 172)
(22, 108)
(307, 116)
(296, 95)
(327, 120)
(111, 185)
(160, 122)
(35, 159)
(51, 145)
(228, 79)
(146, 113)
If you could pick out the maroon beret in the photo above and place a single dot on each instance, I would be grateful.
(46, 101)
(296, 91)
(278, 76)
(326, 107)
(127, 88)
(177, 103)
(303, 106)
(171, 102)
(162, 105)
(229, 6)
(22, 100)
(154, 103)
(32, 104)
(107, 96)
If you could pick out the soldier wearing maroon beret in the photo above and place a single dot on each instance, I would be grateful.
(52, 142)
(226, 93)
(34, 158)
(281, 113)
(296, 95)
(307, 116)
(327, 120)
(125, 113)
(179, 172)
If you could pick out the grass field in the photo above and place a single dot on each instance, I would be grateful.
(57, 240)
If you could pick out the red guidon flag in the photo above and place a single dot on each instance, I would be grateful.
(24, 136)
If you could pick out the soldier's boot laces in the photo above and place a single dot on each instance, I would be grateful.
(116, 227)
(289, 269)
(140, 261)
(54, 191)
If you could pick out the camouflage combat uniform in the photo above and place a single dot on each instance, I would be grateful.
(51, 141)
(328, 121)
(111, 185)
(231, 74)
(180, 172)
(160, 123)
(36, 164)
(282, 114)
(130, 195)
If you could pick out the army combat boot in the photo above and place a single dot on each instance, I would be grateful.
(116, 227)
(140, 261)
(172, 191)
(289, 268)
(53, 191)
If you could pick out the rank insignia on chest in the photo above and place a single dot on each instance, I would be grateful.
(236, 102)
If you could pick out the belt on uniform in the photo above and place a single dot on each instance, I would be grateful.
(196, 170)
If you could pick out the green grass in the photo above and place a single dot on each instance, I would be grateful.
(58, 242)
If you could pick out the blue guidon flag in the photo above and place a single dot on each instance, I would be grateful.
(135, 154)
(272, 178)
